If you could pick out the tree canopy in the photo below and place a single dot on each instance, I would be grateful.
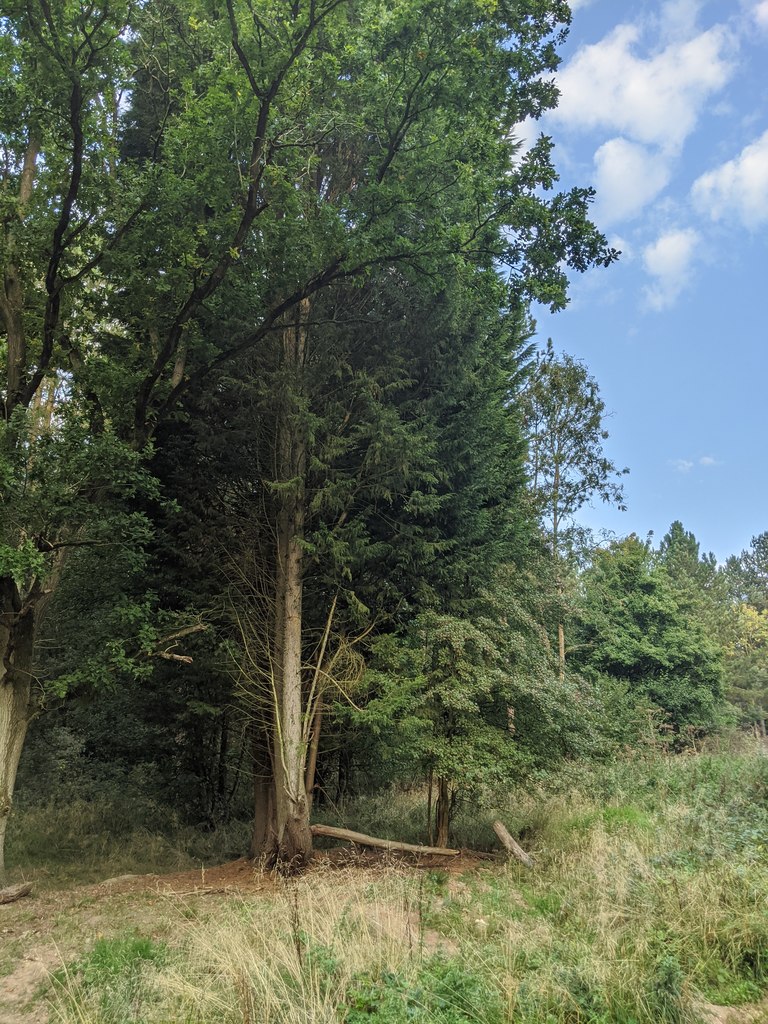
(281, 478)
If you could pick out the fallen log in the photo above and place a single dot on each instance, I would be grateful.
(15, 892)
(381, 844)
(510, 845)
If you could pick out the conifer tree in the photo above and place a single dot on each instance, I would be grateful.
(277, 153)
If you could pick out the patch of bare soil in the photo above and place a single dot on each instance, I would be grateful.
(18, 988)
(755, 1013)
(243, 876)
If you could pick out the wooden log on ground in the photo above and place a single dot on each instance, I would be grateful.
(510, 845)
(15, 892)
(381, 844)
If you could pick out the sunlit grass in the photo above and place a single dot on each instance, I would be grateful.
(649, 898)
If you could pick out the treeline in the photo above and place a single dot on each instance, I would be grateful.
(287, 500)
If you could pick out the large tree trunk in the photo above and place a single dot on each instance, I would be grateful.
(16, 652)
(443, 811)
(12, 289)
(293, 838)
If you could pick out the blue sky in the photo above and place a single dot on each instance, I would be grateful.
(664, 109)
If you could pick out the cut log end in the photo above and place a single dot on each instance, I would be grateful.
(15, 892)
(348, 836)
(512, 847)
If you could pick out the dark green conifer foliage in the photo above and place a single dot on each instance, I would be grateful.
(747, 573)
(635, 628)
(272, 158)
(701, 587)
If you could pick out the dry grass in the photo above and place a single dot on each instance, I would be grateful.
(649, 900)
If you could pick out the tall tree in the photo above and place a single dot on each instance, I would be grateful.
(701, 586)
(269, 153)
(566, 463)
(747, 573)
(58, 462)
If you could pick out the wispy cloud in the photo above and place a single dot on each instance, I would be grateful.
(678, 18)
(686, 465)
(738, 187)
(760, 14)
(668, 261)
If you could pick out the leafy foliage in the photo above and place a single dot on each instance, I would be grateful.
(635, 628)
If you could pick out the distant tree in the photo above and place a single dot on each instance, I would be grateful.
(748, 573)
(567, 466)
(701, 586)
(747, 663)
(636, 629)
(746, 666)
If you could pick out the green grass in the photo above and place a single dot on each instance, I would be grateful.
(649, 897)
(85, 841)
(113, 979)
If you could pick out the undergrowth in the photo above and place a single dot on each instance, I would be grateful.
(649, 899)
(89, 840)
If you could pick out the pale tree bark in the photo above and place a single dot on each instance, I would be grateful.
(16, 654)
(556, 557)
(293, 836)
(314, 710)
(314, 747)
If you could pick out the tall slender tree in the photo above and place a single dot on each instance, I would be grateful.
(567, 465)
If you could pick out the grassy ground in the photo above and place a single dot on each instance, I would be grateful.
(648, 904)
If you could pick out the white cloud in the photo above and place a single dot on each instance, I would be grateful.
(668, 260)
(575, 5)
(526, 132)
(628, 177)
(678, 18)
(626, 248)
(686, 465)
(738, 188)
(760, 14)
(654, 99)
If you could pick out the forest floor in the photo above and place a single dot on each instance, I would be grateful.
(648, 904)
(41, 934)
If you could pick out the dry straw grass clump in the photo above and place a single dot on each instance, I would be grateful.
(293, 959)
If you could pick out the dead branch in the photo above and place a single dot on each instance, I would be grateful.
(382, 844)
(185, 659)
(198, 627)
(172, 640)
(15, 892)
(511, 845)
